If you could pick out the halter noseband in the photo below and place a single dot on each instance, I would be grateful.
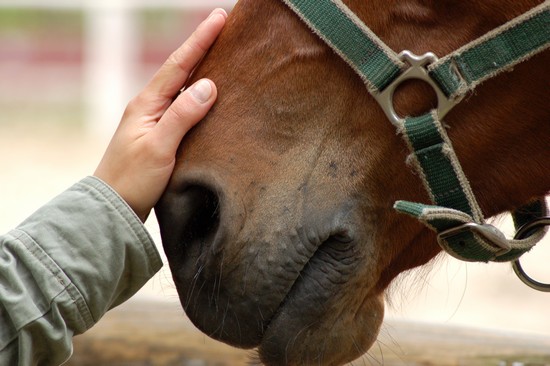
(455, 214)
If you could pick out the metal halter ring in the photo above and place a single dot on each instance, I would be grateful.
(416, 70)
(522, 233)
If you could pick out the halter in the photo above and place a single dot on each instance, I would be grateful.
(455, 214)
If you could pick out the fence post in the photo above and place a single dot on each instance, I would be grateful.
(111, 55)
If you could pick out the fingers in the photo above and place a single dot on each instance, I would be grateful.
(171, 77)
(189, 108)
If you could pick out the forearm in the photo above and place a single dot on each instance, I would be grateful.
(64, 267)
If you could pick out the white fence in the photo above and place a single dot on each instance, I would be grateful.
(111, 48)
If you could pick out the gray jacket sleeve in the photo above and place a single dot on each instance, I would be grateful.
(64, 267)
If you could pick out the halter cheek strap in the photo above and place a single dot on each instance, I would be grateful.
(455, 214)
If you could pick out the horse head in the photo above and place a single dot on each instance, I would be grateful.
(278, 222)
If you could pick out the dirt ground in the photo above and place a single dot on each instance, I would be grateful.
(156, 333)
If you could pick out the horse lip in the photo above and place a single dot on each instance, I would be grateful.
(342, 237)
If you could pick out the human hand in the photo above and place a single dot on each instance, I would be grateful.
(141, 155)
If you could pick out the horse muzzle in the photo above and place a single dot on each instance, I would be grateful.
(271, 276)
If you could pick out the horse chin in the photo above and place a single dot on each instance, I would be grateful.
(302, 334)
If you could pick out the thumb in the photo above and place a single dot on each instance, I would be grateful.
(186, 111)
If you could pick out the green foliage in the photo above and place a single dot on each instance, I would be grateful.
(38, 20)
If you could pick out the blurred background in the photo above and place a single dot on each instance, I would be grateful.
(67, 70)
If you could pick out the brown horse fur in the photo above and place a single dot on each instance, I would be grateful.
(300, 168)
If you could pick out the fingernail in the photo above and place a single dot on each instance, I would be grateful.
(217, 11)
(201, 91)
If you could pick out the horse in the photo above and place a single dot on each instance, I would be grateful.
(278, 222)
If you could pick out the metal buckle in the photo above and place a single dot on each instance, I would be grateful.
(522, 233)
(417, 70)
(487, 232)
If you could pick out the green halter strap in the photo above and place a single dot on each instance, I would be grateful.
(455, 214)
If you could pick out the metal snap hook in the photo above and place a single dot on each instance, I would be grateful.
(522, 233)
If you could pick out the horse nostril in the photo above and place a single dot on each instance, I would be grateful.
(203, 219)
